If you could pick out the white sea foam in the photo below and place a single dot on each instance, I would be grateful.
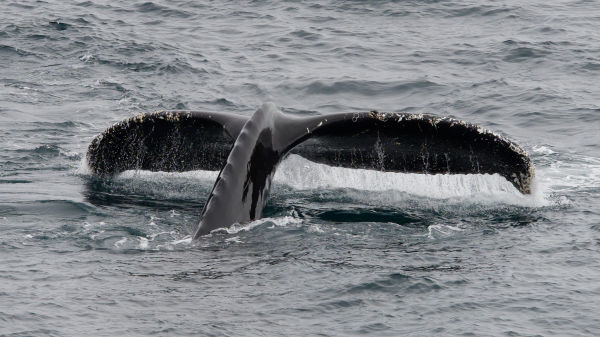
(273, 222)
(315, 228)
(235, 239)
(143, 242)
(87, 57)
(121, 242)
(184, 241)
(442, 231)
(544, 150)
(580, 172)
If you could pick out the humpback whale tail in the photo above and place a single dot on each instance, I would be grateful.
(248, 150)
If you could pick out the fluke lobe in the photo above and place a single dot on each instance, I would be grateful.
(248, 150)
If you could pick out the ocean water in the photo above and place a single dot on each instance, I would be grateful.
(341, 252)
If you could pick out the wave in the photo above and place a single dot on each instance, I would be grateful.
(520, 54)
(478, 11)
(162, 10)
(9, 51)
(306, 35)
(366, 88)
(174, 66)
(443, 9)
(58, 25)
(58, 209)
(395, 283)
(46, 151)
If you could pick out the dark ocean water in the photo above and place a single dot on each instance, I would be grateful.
(341, 252)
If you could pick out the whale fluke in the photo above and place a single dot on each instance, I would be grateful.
(165, 141)
(414, 143)
(248, 150)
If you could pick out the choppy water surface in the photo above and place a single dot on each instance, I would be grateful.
(341, 252)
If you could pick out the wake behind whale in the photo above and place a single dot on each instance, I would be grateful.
(248, 151)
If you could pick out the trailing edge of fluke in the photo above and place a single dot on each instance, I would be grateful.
(247, 150)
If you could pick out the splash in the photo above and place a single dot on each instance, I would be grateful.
(301, 174)
(574, 173)
(554, 177)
